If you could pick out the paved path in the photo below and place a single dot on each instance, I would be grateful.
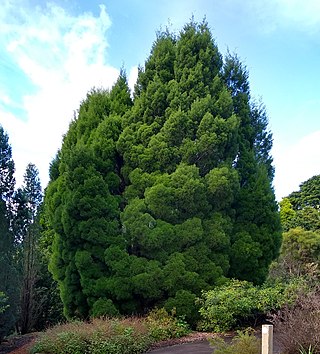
(202, 347)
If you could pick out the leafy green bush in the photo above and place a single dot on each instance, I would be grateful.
(243, 342)
(184, 306)
(238, 302)
(111, 336)
(104, 307)
(164, 326)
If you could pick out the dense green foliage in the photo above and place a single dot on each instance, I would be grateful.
(302, 208)
(239, 302)
(300, 219)
(83, 204)
(299, 257)
(153, 200)
(112, 336)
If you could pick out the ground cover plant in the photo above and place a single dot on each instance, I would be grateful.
(111, 335)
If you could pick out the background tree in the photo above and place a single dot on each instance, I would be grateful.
(28, 199)
(302, 208)
(300, 219)
(8, 272)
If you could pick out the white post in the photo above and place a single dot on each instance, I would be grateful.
(267, 339)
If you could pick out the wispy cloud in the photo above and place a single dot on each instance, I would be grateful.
(63, 56)
(296, 163)
(267, 16)
(305, 13)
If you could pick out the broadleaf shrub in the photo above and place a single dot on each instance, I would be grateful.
(164, 326)
(239, 302)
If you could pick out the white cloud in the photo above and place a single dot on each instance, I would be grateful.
(132, 79)
(267, 16)
(64, 57)
(296, 163)
(304, 13)
(272, 14)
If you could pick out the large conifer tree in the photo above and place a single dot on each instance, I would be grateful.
(256, 234)
(154, 202)
(83, 199)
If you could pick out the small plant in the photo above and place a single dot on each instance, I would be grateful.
(244, 342)
(310, 350)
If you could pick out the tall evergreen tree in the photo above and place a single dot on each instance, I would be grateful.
(27, 230)
(256, 234)
(178, 144)
(7, 180)
(8, 273)
(83, 202)
(153, 202)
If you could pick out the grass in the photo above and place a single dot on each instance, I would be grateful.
(110, 335)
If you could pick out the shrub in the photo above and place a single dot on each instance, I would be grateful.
(184, 306)
(239, 302)
(244, 342)
(163, 326)
(298, 325)
(104, 307)
(64, 339)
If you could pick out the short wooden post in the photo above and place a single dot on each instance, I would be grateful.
(267, 339)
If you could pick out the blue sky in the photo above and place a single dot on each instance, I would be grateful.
(53, 53)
